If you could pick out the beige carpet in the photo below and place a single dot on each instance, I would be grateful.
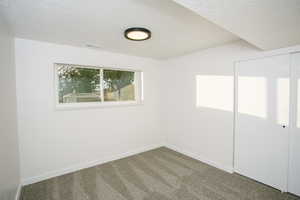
(160, 174)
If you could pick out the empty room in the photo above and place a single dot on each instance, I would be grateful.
(150, 100)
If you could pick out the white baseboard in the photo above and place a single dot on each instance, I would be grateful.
(201, 158)
(77, 167)
(18, 193)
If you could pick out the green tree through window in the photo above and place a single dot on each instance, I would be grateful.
(78, 84)
(119, 82)
(84, 84)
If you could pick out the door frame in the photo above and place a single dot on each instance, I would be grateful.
(293, 104)
(235, 113)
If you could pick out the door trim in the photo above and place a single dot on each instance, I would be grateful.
(293, 114)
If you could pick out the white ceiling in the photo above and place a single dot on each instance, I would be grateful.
(267, 24)
(176, 30)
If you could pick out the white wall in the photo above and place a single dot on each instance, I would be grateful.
(205, 132)
(54, 142)
(9, 151)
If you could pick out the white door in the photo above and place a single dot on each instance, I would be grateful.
(262, 120)
(294, 170)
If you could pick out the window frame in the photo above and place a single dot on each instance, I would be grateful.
(138, 89)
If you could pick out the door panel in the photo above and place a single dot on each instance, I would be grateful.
(262, 120)
(294, 169)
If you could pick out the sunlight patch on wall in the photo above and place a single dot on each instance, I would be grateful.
(252, 96)
(283, 101)
(215, 92)
(298, 103)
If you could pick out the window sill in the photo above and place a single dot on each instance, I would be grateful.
(77, 106)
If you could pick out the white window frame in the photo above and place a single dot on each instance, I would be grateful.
(138, 84)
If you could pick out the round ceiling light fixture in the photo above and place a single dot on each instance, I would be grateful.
(137, 34)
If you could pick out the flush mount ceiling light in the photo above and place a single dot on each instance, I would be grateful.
(137, 34)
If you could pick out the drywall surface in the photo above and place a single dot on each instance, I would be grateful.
(199, 101)
(54, 142)
(185, 25)
(175, 112)
(253, 20)
(9, 148)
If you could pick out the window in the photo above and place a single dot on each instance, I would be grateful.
(118, 85)
(78, 85)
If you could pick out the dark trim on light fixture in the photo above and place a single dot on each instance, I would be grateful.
(137, 29)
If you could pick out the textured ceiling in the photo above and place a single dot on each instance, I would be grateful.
(176, 29)
(267, 24)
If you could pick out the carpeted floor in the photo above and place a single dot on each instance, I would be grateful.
(160, 174)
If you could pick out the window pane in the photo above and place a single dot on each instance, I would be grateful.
(78, 84)
(118, 85)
